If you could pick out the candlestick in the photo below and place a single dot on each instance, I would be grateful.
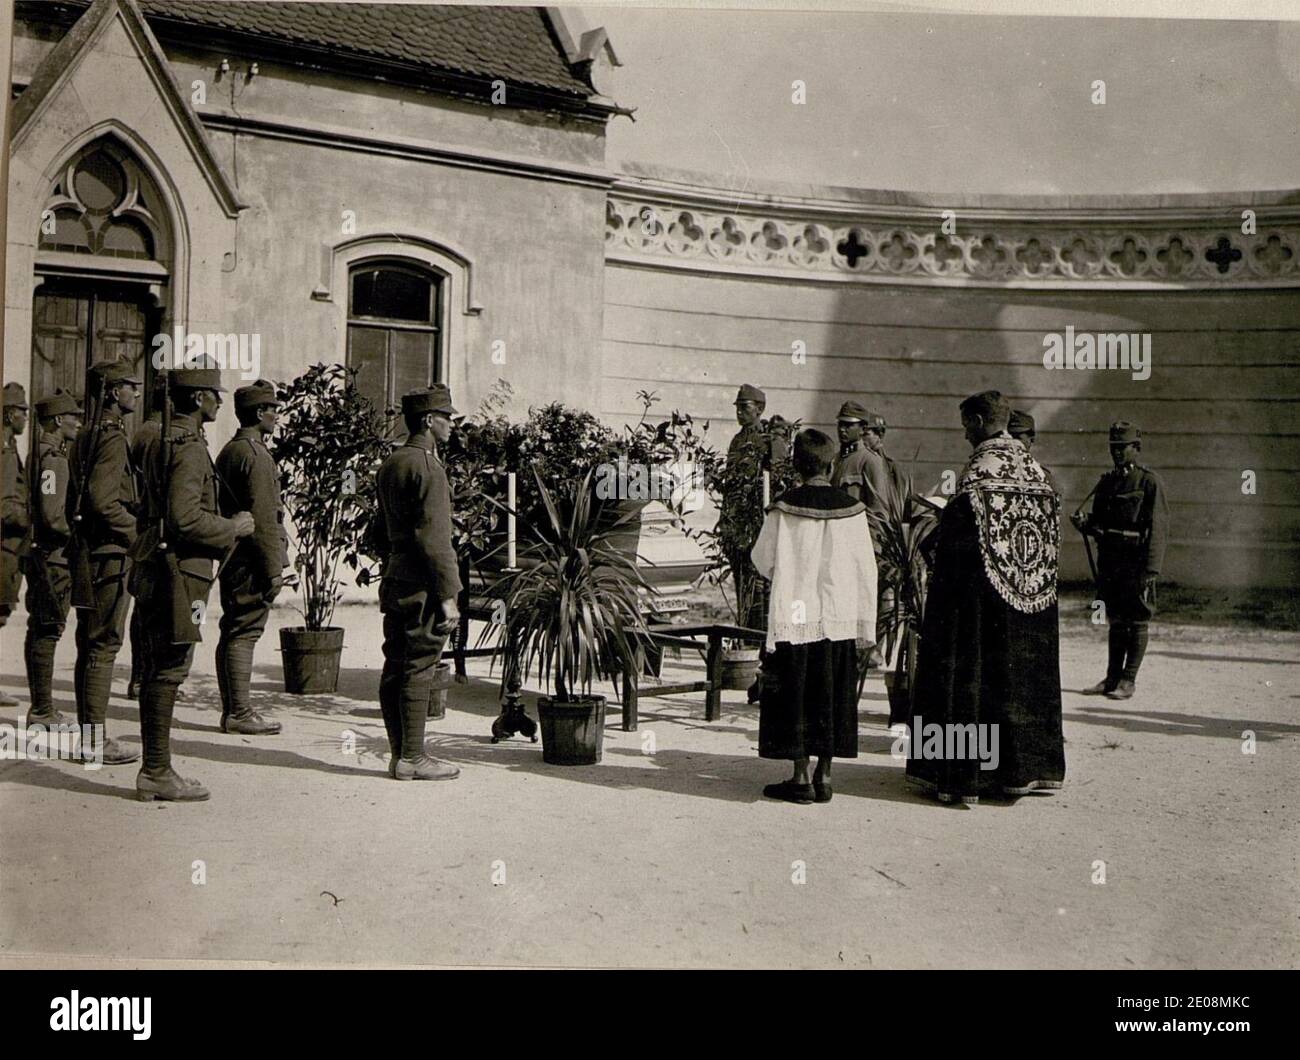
(510, 520)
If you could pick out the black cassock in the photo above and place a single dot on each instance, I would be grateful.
(991, 654)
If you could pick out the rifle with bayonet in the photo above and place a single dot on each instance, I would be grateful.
(78, 549)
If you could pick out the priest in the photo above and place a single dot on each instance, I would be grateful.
(988, 672)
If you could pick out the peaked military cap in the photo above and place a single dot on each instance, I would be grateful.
(60, 403)
(1122, 433)
(15, 397)
(1020, 423)
(260, 393)
(198, 379)
(749, 392)
(436, 398)
(854, 410)
(876, 422)
(110, 373)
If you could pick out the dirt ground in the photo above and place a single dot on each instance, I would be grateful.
(665, 854)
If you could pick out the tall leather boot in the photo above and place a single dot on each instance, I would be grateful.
(1136, 648)
(79, 686)
(234, 672)
(157, 779)
(414, 763)
(38, 653)
(97, 686)
(1116, 645)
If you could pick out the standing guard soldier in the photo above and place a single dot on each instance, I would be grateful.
(15, 523)
(102, 505)
(49, 583)
(1130, 520)
(417, 594)
(757, 447)
(187, 535)
(1021, 428)
(251, 580)
(858, 468)
(144, 436)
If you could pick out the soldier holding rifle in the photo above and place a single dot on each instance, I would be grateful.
(186, 536)
(49, 582)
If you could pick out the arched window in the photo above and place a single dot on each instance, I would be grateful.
(393, 323)
(104, 204)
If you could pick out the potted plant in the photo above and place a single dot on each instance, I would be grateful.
(571, 614)
(901, 528)
(329, 447)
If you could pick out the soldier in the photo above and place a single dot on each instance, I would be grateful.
(144, 435)
(251, 580)
(49, 583)
(421, 581)
(14, 520)
(1021, 428)
(858, 469)
(176, 572)
(102, 503)
(757, 447)
(1130, 520)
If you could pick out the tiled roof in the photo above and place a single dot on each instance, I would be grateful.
(512, 43)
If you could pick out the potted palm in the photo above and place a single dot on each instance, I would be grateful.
(901, 528)
(571, 615)
(329, 447)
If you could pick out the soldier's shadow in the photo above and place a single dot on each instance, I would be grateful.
(73, 777)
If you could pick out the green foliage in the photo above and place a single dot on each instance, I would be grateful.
(475, 457)
(901, 527)
(330, 443)
(573, 608)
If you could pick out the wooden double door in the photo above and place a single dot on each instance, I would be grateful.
(77, 323)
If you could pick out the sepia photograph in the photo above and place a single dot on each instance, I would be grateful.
(652, 487)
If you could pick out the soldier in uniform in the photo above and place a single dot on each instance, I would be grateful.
(757, 447)
(144, 435)
(102, 503)
(858, 468)
(175, 581)
(49, 582)
(1130, 520)
(417, 594)
(1021, 428)
(251, 580)
(14, 520)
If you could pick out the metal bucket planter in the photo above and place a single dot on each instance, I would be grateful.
(573, 734)
(739, 668)
(310, 658)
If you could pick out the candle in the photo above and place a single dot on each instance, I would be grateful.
(767, 489)
(510, 520)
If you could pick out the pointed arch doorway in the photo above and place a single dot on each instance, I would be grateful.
(101, 276)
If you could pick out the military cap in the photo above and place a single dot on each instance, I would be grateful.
(198, 379)
(255, 394)
(1020, 423)
(110, 373)
(1122, 433)
(876, 422)
(436, 398)
(60, 403)
(749, 392)
(15, 397)
(854, 410)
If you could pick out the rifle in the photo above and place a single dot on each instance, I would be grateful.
(78, 552)
(1087, 542)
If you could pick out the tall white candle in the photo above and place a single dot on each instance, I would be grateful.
(510, 520)
(767, 489)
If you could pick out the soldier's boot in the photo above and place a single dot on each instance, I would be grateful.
(234, 672)
(1116, 645)
(414, 764)
(157, 779)
(38, 653)
(97, 686)
(1136, 648)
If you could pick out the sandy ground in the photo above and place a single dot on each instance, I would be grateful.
(666, 854)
